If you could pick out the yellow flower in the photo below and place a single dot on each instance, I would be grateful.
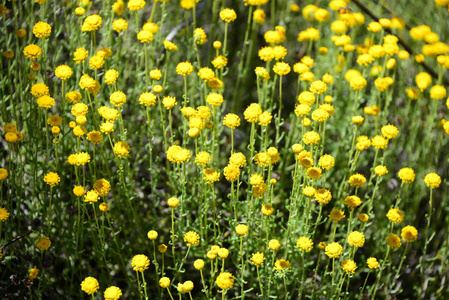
(394, 241)
(333, 250)
(43, 243)
(140, 262)
(90, 285)
(282, 264)
(42, 30)
(169, 102)
(118, 98)
(63, 72)
(257, 258)
(323, 196)
(46, 102)
(176, 154)
(32, 51)
(432, 180)
(395, 215)
(164, 282)
(356, 239)
(119, 25)
(225, 280)
(219, 62)
(4, 214)
(281, 68)
(390, 131)
(80, 54)
(357, 180)
(274, 244)
(192, 238)
(184, 68)
(199, 35)
(241, 229)
(304, 244)
(336, 215)
(409, 234)
(211, 175)
(121, 149)
(349, 266)
(372, 263)
(352, 201)
(91, 23)
(407, 175)
(112, 293)
(145, 36)
(134, 5)
(52, 179)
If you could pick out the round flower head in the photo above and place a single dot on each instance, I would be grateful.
(231, 172)
(92, 23)
(199, 36)
(184, 68)
(145, 36)
(252, 113)
(320, 115)
(390, 131)
(281, 264)
(380, 170)
(352, 201)
(257, 259)
(432, 180)
(395, 215)
(33, 273)
(119, 25)
(318, 87)
(164, 282)
(394, 241)
(73, 97)
(323, 196)
(90, 285)
(3, 174)
(231, 120)
(111, 76)
(214, 99)
(42, 30)
(309, 191)
(198, 264)
(219, 62)
(333, 250)
(140, 262)
(173, 202)
(63, 72)
(314, 173)
(223, 253)
(169, 102)
(357, 180)
(162, 248)
(379, 142)
(118, 98)
(304, 244)
(225, 280)
(241, 229)
(32, 51)
(11, 137)
(372, 263)
(228, 15)
(211, 175)
(91, 197)
(134, 5)
(437, 92)
(4, 214)
(409, 234)
(52, 179)
(112, 293)
(46, 102)
(407, 175)
(192, 238)
(102, 187)
(80, 55)
(274, 244)
(311, 138)
(336, 215)
(43, 243)
(267, 210)
(104, 207)
(281, 68)
(326, 162)
(121, 149)
(356, 239)
(349, 266)
(40, 89)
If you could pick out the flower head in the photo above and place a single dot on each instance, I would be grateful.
(90, 285)
(192, 238)
(140, 262)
